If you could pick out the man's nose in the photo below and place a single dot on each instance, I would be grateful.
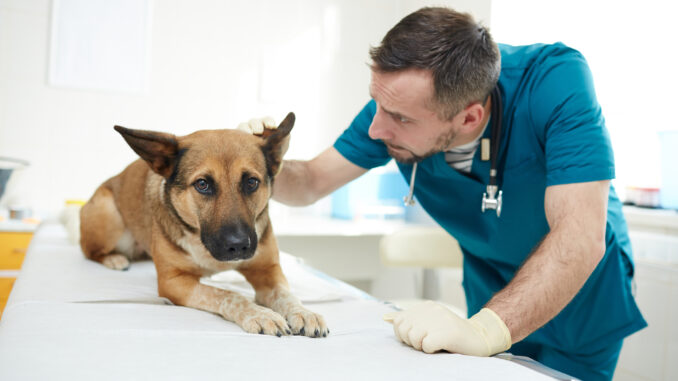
(380, 128)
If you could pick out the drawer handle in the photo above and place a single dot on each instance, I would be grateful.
(18, 251)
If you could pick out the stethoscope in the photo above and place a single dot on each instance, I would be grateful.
(492, 198)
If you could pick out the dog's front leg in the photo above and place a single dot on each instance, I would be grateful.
(273, 291)
(184, 288)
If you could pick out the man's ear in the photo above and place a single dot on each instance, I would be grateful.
(158, 149)
(276, 144)
(472, 116)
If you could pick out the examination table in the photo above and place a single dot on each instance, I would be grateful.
(70, 318)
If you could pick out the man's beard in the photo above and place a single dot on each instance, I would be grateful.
(442, 143)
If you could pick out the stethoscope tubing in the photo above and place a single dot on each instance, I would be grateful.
(495, 135)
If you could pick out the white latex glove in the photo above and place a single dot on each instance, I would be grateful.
(256, 125)
(431, 327)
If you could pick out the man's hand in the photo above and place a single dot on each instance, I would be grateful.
(432, 327)
(256, 126)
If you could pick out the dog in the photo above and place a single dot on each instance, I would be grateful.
(198, 205)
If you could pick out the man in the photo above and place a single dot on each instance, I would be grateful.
(549, 278)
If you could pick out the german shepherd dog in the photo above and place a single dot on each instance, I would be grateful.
(198, 205)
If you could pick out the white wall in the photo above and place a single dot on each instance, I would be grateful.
(630, 48)
(213, 64)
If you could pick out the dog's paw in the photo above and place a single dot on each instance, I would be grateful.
(115, 262)
(307, 323)
(264, 321)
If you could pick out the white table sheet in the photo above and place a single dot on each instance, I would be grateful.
(70, 318)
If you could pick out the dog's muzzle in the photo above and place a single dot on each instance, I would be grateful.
(231, 242)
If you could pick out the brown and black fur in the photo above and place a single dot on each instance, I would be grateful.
(159, 206)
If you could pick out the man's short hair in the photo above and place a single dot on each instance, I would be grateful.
(460, 53)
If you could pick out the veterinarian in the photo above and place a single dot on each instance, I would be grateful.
(547, 262)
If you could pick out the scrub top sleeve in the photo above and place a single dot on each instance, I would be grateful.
(356, 145)
(564, 107)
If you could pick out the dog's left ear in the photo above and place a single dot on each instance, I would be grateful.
(158, 149)
(276, 144)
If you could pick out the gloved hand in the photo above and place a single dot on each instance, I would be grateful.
(432, 327)
(256, 125)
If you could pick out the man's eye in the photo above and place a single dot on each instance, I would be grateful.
(252, 184)
(400, 118)
(202, 186)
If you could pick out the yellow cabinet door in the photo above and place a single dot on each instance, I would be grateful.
(13, 247)
(5, 288)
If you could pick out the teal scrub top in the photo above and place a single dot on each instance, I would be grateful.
(553, 132)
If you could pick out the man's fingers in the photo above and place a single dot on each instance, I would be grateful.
(416, 337)
(403, 331)
(389, 317)
(269, 122)
(257, 126)
(430, 344)
(397, 335)
(245, 127)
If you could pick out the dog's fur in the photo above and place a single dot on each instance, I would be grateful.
(198, 205)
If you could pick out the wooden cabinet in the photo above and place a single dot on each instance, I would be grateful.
(13, 245)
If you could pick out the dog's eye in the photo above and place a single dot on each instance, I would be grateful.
(252, 184)
(202, 186)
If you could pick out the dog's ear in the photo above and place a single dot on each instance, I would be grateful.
(276, 144)
(157, 148)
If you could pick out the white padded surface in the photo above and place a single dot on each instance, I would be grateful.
(69, 318)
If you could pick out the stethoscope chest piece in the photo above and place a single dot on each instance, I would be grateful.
(492, 199)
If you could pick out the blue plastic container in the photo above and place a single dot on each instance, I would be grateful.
(377, 194)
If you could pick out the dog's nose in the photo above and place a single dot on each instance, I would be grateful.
(230, 242)
(237, 242)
